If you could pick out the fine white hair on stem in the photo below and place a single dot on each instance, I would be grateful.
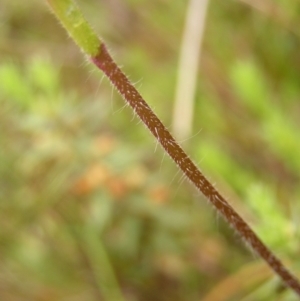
(189, 138)
(161, 162)
(138, 82)
(120, 109)
(112, 95)
(181, 180)
(156, 140)
(177, 172)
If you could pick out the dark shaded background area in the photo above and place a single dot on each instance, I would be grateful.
(91, 209)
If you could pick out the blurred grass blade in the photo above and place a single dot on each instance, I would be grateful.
(100, 264)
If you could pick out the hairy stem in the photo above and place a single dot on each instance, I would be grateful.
(119, 80)
(104, 61)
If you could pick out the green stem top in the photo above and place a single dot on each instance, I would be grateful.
(78, 28)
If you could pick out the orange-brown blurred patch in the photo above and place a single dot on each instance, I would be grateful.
(94, 177)
(208, 255)
(159, 194)
(136, 177)
(117, 187)
(104, 144)
(170, 265)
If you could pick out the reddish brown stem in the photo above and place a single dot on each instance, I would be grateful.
(119, 80)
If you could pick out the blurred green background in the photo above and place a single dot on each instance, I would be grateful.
(91, 209)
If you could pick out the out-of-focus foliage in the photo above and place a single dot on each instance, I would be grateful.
(91, 209)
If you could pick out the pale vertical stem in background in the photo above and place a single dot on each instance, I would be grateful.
(188, 68)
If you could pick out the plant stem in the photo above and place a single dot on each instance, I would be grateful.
(188, 68)
(68, 13)
(119, 80)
